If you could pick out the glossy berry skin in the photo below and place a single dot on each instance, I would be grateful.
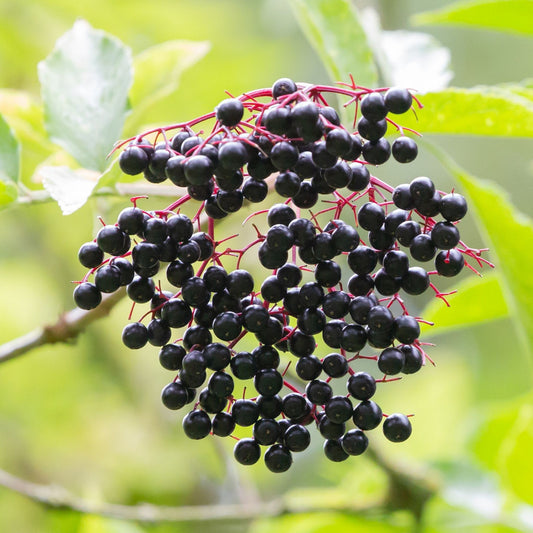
(268, 382)
(362, 260)
(90, 255)
(398, 100)
(282, 87)
(247, 451)
(171, 356)
(278, 458)
(407, 231)
(367, 415)
(416, 281)
(377, 152)
(245, 412)
(334, 451)
(266, 431)
(112, 240)
(335, 365)
(422, 248)
(404, 150)
(87, 296)
(229, 112)
(133, 160)
(339, 409)
(297, 438)
(174, 396)
(308, 367)
(390, 361)
(295, 406)
(373, 106)
(445, 235)
(318, 392)
(223, 424)
(361, 386)
(421, 189)
(354, 442)
(371, 216)
(413, 359)
(449, 263)
(406, 329)
(243, 365)
(197, 424)
(402, 197)
(453, 207)
(397, 427)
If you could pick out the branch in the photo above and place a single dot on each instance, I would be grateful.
(58, 497)
(407, 491)
(68, 327)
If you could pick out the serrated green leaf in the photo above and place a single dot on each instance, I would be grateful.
(478, 300)
(84, 84)
(69, 188)
(513, 16)
(334, 29)
(491, 111)
(157, 72)
(508, 233)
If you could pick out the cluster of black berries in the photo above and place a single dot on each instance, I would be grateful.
(210, 303)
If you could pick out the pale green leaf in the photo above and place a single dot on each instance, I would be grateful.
(8, 191)
(508, 234)
(491, 111)
(334, 29)
(513, 16)
(25, 115)
(330, 523)
(84, 84)
(9, 153)
(504, 443)
(515, 455)
(478, 300)
(157, 72)
(407, 58)
(69, 188)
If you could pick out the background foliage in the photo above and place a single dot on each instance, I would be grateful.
(87, 416)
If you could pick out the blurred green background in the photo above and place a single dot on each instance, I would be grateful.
(87, 416)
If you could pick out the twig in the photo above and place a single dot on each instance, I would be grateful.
(68, 327)
(58, 497)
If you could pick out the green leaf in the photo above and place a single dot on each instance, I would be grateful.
(9, 153)
(84, 84)
(513, 16)
(69, 188)
(9, 164)
(329, 523)
(157, 74)
(493, 111)
(8, 192)
(509, 234)
(504, 444)
(515, 455)
(477, 301)
(334, 29)
(25, 115)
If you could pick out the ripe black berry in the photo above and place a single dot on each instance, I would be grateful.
(397, 427)
(87, 296)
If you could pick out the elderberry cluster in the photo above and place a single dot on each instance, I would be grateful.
(333, 294)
